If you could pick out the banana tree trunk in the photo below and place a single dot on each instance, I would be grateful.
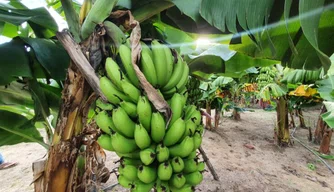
(208, 120)
(236, 115)
(301, 118)
(217, 117)
(320, 129)
(67, 138)
(282, 130)
(325, 146)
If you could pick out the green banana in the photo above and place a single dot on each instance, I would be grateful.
(129, 108)
(158, 127)
(194, 178)
(190, 165)
(130, 90)
(165, 171)
(103, 106)
(105, 142)
(169, 61)
(114, 73)
(115, 33)
(183, 149)
(162, 153)
(100, 10)
(129, 172)
(123, 123)
(125, 54)
(147, 67)
(147, 174)
(159, 59)
(139, 186)
(200, 129)
(177, 164)
(161, 186)
(190, 129)
(144, 111)
(146, 48)
(142, 138)
(196, 117)
(147, 156)
(177, 180)
(111, 92)
(176, 106)
(122, 144)
(185, 188)
(182, 82)
(197, 140)
(124, 182)
(192, 155)
(201, 166)
(188, 111)
(104, 121)
(176, 75)
(129, 161)
(133, 155)
(174, 133)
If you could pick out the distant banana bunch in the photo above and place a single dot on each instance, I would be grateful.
(267, 75)
(151, 154)
(194, 92)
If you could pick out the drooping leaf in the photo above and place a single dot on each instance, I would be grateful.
(39, 19)
(295, 76)
(14, 62)
(189, 7)
(51, 55)
(225, 15)
(150, 9)
(16, 94)
(309, 14)
(328, 117)
(326, 88)
(41, 105)
(15, 128)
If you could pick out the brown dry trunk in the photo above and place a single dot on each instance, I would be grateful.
(320, 129)
(325, 146)
(301, 118)
(217, 118)
(282, 131)
(208, 120)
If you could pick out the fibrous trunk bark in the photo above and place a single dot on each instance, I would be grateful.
(320, 129)
(67, 141)
(208, 120)
(325, 146)
(282, 130)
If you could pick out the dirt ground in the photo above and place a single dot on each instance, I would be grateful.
(264, 168)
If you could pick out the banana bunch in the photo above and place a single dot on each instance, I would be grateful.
(267, 75)
(194, 93)
(152, 154)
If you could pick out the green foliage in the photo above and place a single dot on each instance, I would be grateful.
(302, 76)
(328, 117)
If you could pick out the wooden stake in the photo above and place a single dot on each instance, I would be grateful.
(208, 163)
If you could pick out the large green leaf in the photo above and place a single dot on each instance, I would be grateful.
(189, 7)
(328, 117)
(51, 55)
(39, 19)
(326, 88)
(150, 9)
(250, 14)
(16, 94)
(15, 128)
(14, 62)
(302, 55)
